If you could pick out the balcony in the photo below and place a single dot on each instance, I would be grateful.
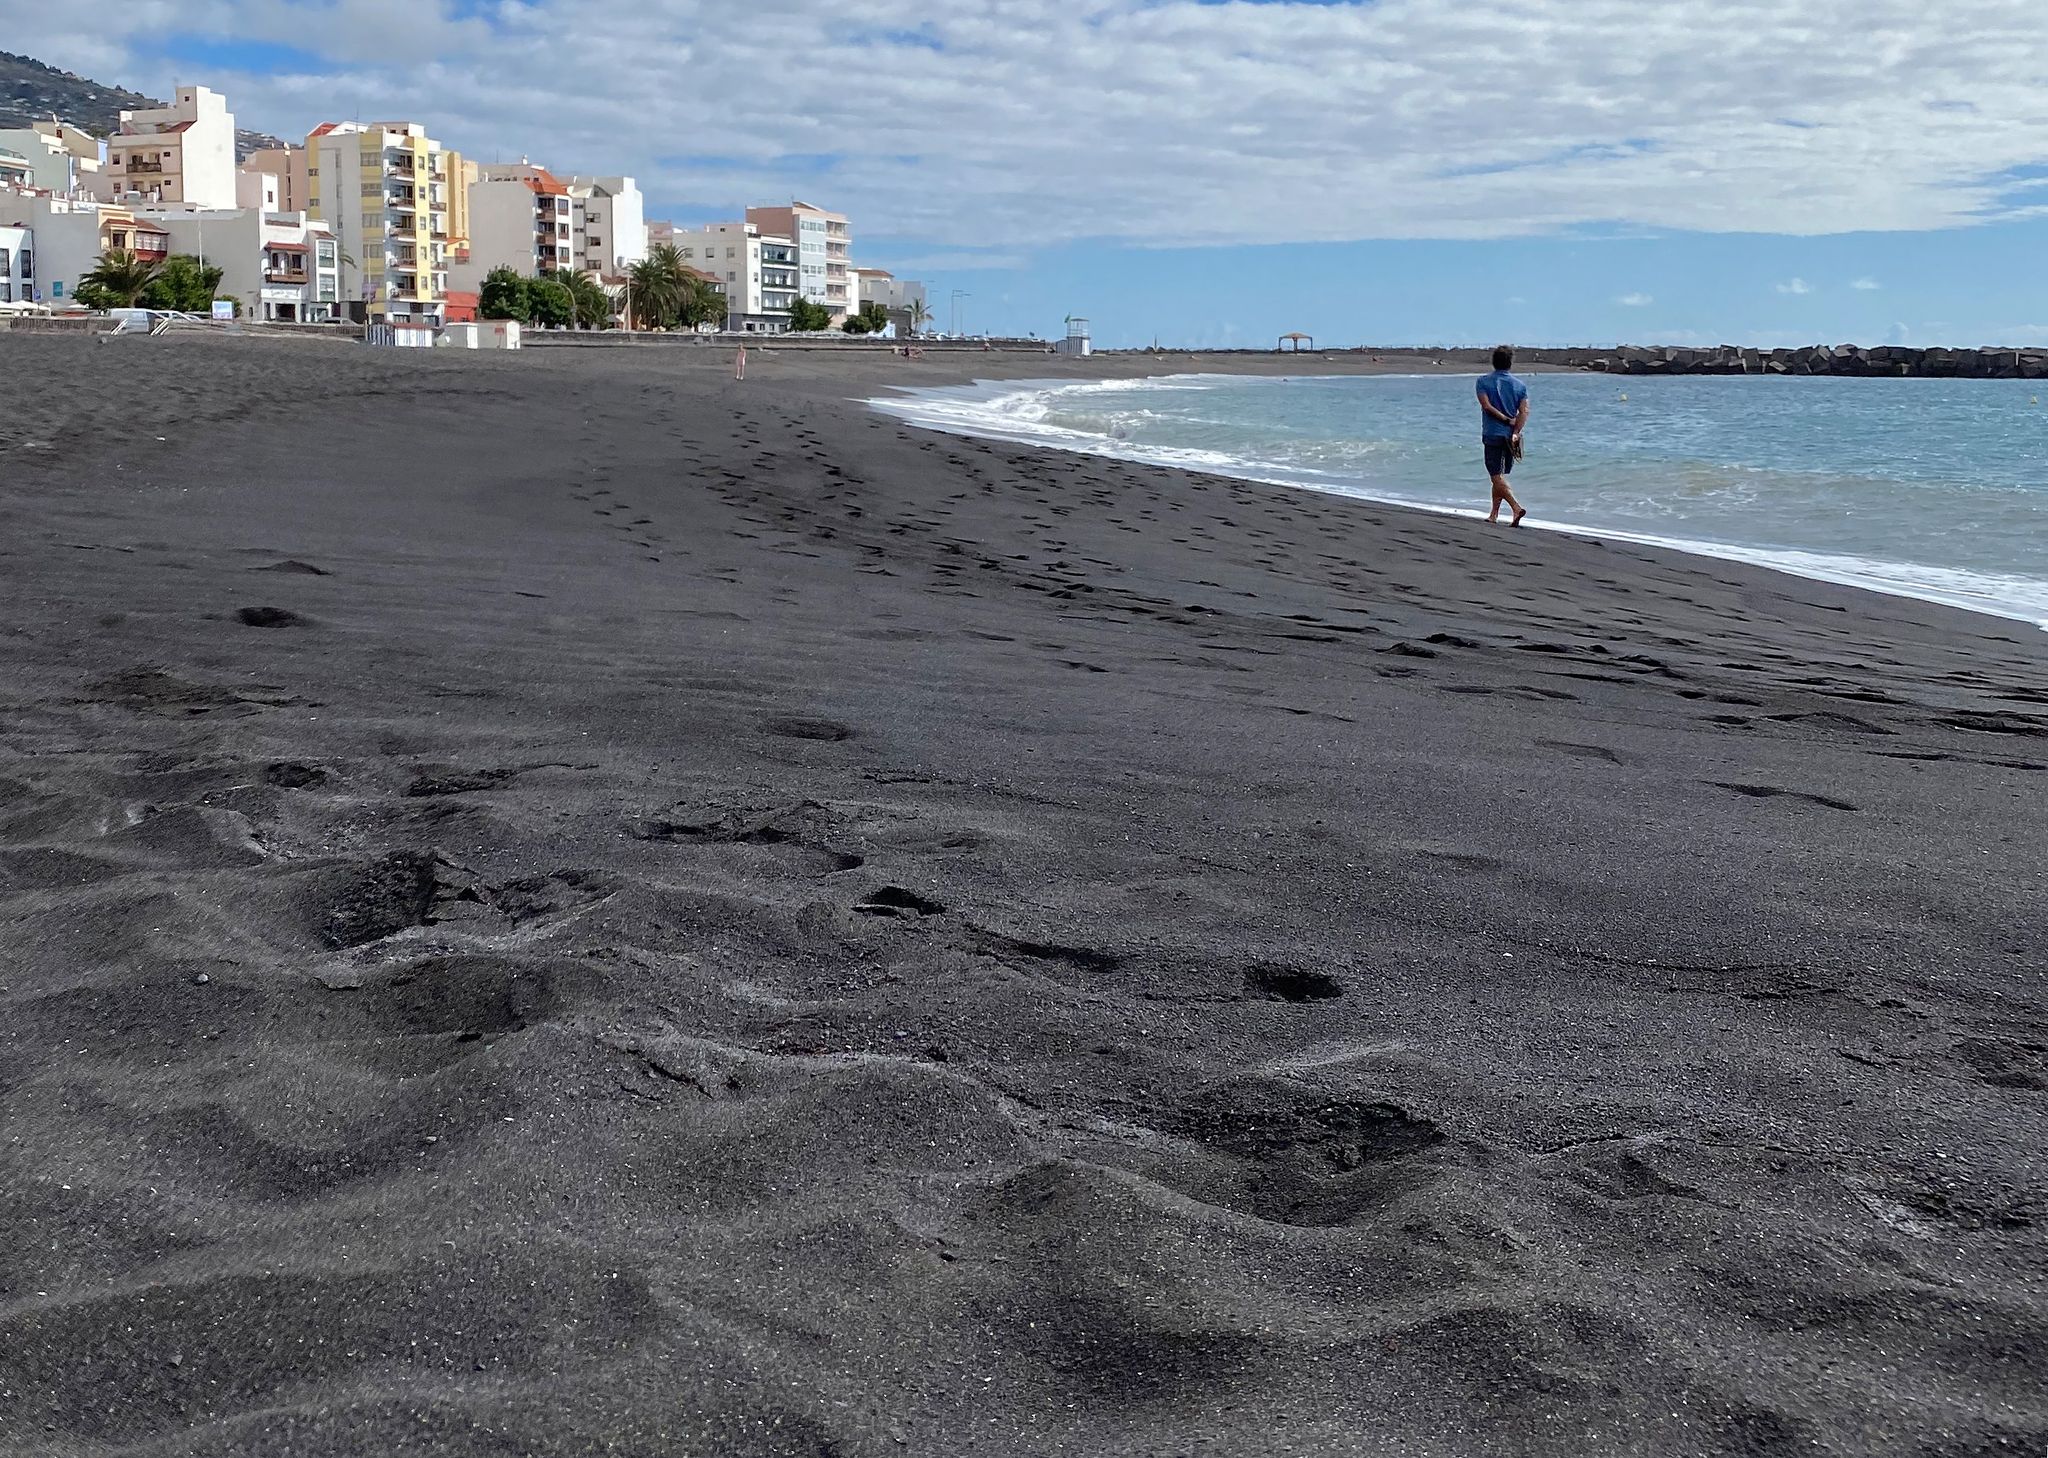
(402, 203)
(402, 164)
(284, 275)
(136, 164)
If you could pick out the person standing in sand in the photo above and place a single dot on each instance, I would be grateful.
(1504, 410)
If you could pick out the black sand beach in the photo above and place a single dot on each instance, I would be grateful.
(555, 904)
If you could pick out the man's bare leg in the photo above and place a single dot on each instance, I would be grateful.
(1502, 492)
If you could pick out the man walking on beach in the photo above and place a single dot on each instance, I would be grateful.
(1504, 410)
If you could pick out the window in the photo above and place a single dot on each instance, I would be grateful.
(6, 263)
(373, 222)
(28, 265)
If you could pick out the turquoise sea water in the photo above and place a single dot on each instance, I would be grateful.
(1928, 488)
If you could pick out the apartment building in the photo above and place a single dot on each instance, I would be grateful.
(60, 158)
(899, 297)
(521, 217)
(824, 244)
(72, 233)
(383, 189)
(278, 265)
(181, 153)
(288, 166)
(16, 171)
(17, 265)
(610, 224)
(758, 272)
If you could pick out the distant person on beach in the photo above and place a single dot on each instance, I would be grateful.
(1504, 410)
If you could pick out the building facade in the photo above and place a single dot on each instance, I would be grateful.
(383, 189)
(17, 265)
(824, 244)
(72, 233)
(757, 272)
(521, 217)
(181, 153)
(900, 298)
(288, 166)
(610, 224)
(277, 266)
(61, 159)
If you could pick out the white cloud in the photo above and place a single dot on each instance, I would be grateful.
(1015, 123)
(1867, 285)
(1635, 301)
(956, 262)
(1795, 286)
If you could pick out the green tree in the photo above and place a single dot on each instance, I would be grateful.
(117, 281)
(503, 296)
(658, 285)
(184, 284)
(704, 303)
(593, 304)
(550, 304)
(806, 317)
(920, 316)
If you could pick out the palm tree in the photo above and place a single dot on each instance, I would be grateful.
(120, 276)
(920, 316)
(704, 302)
(661, 288)
(593, 304)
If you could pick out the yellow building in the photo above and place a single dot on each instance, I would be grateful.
(391, 195)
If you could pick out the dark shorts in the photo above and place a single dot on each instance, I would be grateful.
(1500, 455)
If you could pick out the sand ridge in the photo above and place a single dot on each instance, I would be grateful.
(562, 905)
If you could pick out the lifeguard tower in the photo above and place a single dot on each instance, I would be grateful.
(1077, 341)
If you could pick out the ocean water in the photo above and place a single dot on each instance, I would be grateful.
(1926, 488)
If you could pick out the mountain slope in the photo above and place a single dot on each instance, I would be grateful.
(31, 91)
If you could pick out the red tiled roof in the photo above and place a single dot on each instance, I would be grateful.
(546, 183)
(323, 129)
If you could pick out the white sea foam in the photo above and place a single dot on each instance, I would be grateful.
(1024, 412)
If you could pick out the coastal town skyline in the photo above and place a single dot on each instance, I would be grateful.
(1216, 174)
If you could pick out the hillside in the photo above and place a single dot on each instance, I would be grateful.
(31, 91)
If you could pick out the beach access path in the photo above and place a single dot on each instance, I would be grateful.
(558, 903)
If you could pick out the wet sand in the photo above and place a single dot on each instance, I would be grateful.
(556, 904)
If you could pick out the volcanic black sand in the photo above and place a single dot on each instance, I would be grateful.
(555, 904)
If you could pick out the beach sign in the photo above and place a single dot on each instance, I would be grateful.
(223, 308)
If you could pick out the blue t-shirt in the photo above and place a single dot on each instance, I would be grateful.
(1506, 393)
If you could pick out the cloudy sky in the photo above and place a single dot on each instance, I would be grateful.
(1377, 171)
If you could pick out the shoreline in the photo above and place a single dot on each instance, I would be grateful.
(573, 904)
(922, 406)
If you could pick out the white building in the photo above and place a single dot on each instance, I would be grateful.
(181, 153)
(759, 272)
(824, 244)
(521, 217)
(610, 224)
(71, 234)
(60, 158)
(383, 189)
(280, 266)
(897, 296)
(288, 166)
(17, 265)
